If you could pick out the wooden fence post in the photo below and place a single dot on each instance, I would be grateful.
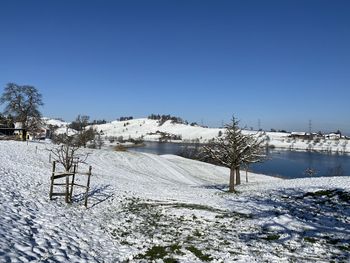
(73, 178)
(88, 186)
(52, 178)
(67, 188)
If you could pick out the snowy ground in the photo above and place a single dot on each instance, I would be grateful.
(145, 207)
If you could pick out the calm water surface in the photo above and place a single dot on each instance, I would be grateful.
(284, 163)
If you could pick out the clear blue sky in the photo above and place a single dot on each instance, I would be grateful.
(283, 62)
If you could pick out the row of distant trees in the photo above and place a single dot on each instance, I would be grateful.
(163, 118)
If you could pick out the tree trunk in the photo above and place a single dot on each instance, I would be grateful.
(238, 176)
(232, 180)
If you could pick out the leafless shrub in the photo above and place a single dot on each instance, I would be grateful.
(67, 152)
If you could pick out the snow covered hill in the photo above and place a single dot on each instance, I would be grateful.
(145, 207)
(55, 122)
(153, 130)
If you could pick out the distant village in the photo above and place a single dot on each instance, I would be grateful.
(314, 136)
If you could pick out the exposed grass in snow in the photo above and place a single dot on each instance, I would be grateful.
(235, 236)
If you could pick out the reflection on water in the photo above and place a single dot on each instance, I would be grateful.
(289, 164)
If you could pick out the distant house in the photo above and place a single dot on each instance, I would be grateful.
(302, 135)
(42, 134)
(333, 136)
(8, 132)
(17, 131)
(296, 135)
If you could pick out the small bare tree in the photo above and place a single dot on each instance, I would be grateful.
(234, 149)
(67, 152)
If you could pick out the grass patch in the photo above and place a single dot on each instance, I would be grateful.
(197, 233)
(170, 260)
(320, 193)
(342, 195)
(161, 252)
(310, 239)
(125, 243)
(155, 252)
(344, 248)
(176, 249)
(333, 241)
(195, 207)
(272, 237)
(199, 254)
(234, 214)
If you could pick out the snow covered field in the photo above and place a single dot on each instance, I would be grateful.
(145, 207)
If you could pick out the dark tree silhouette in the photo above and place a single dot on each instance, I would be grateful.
(23, 102)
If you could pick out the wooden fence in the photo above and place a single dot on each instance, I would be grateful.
(69, 183)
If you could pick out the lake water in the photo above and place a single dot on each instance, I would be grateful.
(284, 163)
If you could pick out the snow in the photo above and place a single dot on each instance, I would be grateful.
(65, 130)
(55, 122)
(144, 207)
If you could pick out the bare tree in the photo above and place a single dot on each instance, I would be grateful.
(23, 103)
(234, 149)
(84, 135)
(67, 152)
(80, 123)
